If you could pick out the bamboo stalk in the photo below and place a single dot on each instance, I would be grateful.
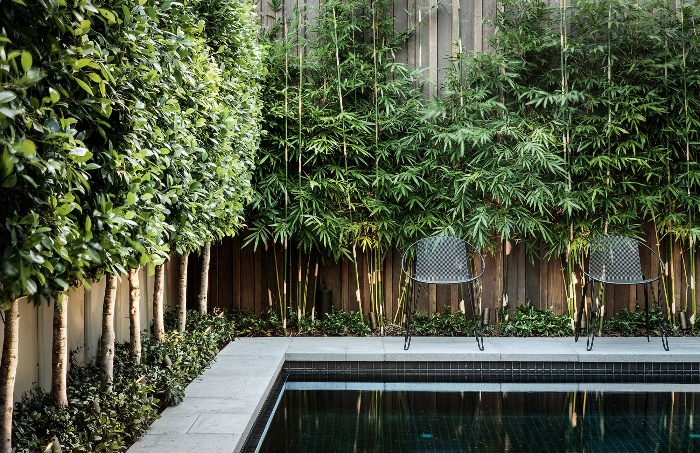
(283, 300)
(301, 298)
(267, 276)
(693, 290)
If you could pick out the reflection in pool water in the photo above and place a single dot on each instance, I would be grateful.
(378, 420)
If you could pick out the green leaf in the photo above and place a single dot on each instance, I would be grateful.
(10, 113)
(35, 257)
(55, 95)
(8, 164)
(31, 286)
(81, 63)
(64, 209)
(80, 154)
(7, 96)
(94, 255)
(26, 61)
(10, 181)
(84, 86)
(24, 147)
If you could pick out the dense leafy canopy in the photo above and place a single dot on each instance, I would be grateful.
(128, 130)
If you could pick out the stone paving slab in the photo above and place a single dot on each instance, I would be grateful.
(221, 405)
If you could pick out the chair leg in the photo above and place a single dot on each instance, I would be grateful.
(591, 319)
(409, 315)
(662, 331)
(581, 311)
(478, 331)
(646, 310)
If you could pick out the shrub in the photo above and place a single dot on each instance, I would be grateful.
(97, 421)
(444, 323)
(528, 320)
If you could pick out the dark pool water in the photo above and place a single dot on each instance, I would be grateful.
(334, 421)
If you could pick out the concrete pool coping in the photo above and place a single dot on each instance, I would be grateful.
(220, 406)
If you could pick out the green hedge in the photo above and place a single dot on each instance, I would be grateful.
(128, 130)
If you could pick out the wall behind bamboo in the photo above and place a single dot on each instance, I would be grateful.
(438, 26)
(241, 276)
(84, 325)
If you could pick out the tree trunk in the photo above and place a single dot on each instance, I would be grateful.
(204, 288)
(135, 315)
(182, 293)
(59, 356)
(106, 359)
(8, 372)
(158, 322)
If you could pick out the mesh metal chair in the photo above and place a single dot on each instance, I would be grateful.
(442, 260)
(616, 260)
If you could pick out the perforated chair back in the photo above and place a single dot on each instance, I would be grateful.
(616, 260)
(442, 260)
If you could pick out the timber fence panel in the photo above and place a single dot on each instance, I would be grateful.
(84, 326)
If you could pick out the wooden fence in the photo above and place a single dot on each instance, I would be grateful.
(438, 26)
(84, 325)
(240, 278)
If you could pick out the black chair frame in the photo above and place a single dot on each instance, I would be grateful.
(616, 260)
(455, 267)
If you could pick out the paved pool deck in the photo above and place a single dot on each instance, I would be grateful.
(222, 404)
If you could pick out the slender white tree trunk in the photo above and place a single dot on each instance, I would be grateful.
(182, 293)
(135, 315)
(106, 359)
(158, 322)
(8, 372)
(204, 288)
(59, 356)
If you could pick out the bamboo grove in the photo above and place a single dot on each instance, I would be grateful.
(128, 131)
(580, 120)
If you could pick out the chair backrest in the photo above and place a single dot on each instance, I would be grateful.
(616, 260)
(442, 259)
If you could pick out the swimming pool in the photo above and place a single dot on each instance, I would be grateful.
(484, 417)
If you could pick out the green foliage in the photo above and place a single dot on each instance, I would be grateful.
(343, 323)
(332, 172)
(529, 321)
(444, 323)
(140, 391)
(247, 324)
(49, 106)
(127, 127)
(633, 323)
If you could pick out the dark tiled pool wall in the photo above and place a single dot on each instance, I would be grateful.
(503, 372)
(268, 407)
